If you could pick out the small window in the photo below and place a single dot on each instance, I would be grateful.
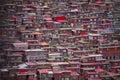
(58, 50)
(9, 6)
(66, 78)
(26, 36)
(32, 3)
(13, 6)
(94, 19)
(62, 78)
(46, 78)
(104, 66)
(108, 57)
(64, 51)
(50, 75)
(90, 58)
(91, 76)
(96, 76)
(37, 46)
(116, 64)
(36, 3)
(78, 70)
(116, 57)
(74, 77)
(91, 20)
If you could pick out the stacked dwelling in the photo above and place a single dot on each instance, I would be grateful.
(59, 40)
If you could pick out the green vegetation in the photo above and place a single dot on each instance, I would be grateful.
(3, 22)
(116, 78)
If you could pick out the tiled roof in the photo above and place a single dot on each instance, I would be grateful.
(74, 73)
(99, 70)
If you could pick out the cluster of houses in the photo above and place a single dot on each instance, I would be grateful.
(60, 40)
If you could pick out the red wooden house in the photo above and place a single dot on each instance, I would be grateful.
(63, 37)
(18, 2)
(57, 74)
(14, 59)
(33, 55)
(43, 65)
(74, 66)
(20, 46)
(66, 31)
(50, 49)
(110, 52)
(10, 7)
(115, 66)
(71, 40)
(26, 75)
(44, 74)
(33, 44)
(31, 66)
(29, 35)
(2, 59)
(94, 61)
(4, 74)
(93, 76)
(33, 2)
(74, 75)
(62, 50)
(9, 30)
(66, 74)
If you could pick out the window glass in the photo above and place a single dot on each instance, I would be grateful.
(64, 51)
(66, 78)
(74, 77)
(44, 75)
(91, 76)
(96, 76)
(46, 78)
